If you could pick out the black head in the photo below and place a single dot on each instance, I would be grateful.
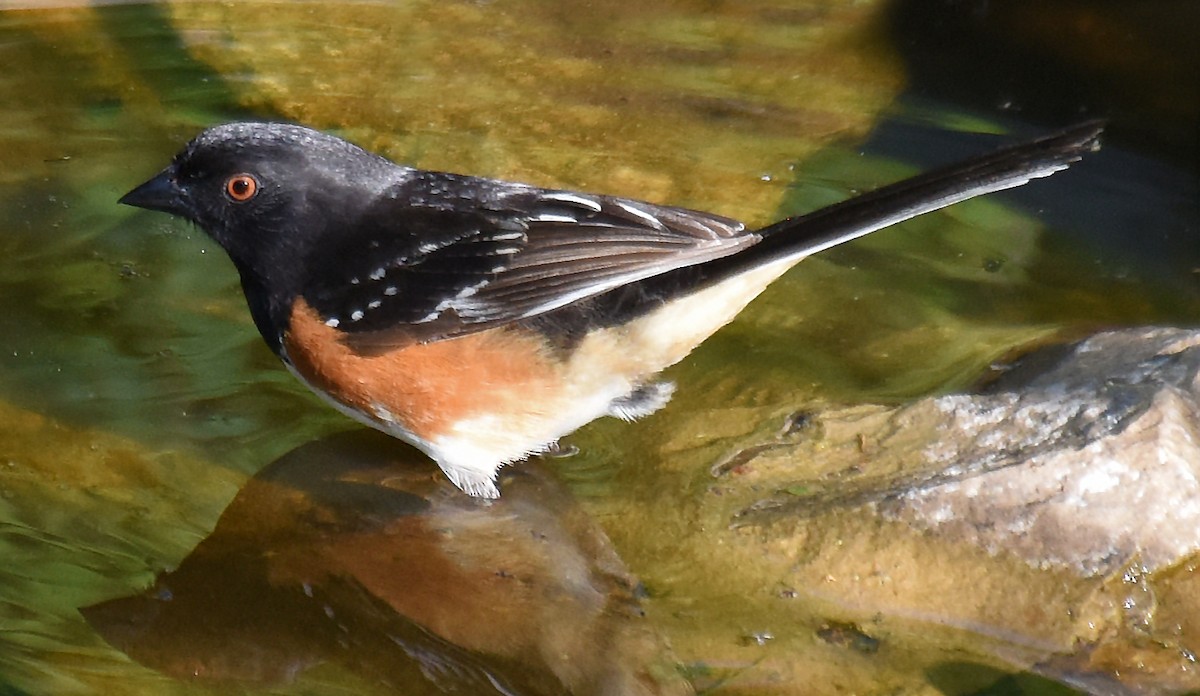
(265, 191)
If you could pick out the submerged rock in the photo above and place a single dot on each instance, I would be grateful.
(1042, 526)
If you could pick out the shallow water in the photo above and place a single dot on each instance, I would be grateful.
(138, 400)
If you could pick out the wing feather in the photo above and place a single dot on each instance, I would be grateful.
(442, 268)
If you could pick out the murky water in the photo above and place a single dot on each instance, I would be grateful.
(137, 399)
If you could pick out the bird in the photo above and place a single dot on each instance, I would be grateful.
(482, 320)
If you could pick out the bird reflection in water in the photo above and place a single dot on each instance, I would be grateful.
(348, 551)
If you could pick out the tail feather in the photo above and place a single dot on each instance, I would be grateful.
(803, 235)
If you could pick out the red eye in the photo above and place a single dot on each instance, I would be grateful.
(241, 187)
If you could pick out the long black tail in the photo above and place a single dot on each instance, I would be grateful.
(800, 236)
(803, 235)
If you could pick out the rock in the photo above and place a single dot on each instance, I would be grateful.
(1089, 465)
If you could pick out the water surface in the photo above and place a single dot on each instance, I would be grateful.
(138, 400)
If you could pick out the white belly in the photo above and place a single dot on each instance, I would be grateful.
(607, 366)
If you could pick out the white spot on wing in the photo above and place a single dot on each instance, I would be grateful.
(567, 197)
(642, 215)
(390, 290)
(332, 322)
(373, 304)
(378, 274)
(553, 217)
(470, 290)
(356, 315)
(457, 302)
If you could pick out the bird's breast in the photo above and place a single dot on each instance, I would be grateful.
(423, 388)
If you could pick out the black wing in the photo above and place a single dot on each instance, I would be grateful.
(444, 256)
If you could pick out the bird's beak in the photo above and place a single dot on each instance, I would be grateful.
(160, 193)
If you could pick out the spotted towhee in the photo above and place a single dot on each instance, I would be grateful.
(481, 320)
